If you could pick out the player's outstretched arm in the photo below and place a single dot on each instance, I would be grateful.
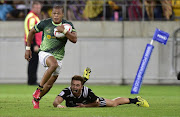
(94, 104)
(57, 102)
(28, 53)
(30, 37)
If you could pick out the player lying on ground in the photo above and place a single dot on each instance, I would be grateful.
(78, 95)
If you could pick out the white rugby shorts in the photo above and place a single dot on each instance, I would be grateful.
(42, 59)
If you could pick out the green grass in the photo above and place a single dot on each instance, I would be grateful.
(15, 101)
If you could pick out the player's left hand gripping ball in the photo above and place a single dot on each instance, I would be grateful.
(58, 34)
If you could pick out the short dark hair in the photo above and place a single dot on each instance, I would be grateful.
(79, 78)
(36, 3)
(57, 6)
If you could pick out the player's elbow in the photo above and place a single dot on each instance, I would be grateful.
(96, 105)
(32, 31)
(74, 40)
(55, 104)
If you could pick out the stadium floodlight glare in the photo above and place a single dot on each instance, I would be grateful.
(159, 36)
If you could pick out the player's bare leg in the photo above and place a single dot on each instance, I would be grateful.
(48, 85)
(52, 65)
(117, 101)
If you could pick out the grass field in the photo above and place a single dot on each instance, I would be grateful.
(15, 101)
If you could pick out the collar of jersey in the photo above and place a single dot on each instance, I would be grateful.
(56, 24)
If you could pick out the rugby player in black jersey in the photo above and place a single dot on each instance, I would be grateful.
(78, 95)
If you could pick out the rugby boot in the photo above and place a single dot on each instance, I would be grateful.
(142, 102)
(35, 104)
(86, 74)
(36, 93)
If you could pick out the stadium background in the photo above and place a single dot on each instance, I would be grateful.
(112, 49)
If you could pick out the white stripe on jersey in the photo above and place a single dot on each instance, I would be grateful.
(85, 93)
(71, 95)
(62, 93)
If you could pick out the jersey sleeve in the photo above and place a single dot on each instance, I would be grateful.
(91, 96)
(73, 29)
(39, 26)
(31, 22)
(64, 93)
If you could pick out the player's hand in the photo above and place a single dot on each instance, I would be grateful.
(36, 48)
(60, 28)
(80, 105)
(60, 106)
(28, 55)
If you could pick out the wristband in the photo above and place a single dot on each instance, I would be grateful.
(28, 48)
(65, 31)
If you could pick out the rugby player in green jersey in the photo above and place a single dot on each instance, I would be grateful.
(51, 50)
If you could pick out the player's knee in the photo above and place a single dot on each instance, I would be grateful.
(54, 66)
(114, 105)
(56, 72)
(49, 86)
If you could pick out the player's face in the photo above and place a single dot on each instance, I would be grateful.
(57, 15)
(37, 8)
(76, 86)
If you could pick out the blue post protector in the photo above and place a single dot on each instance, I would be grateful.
(142, 69)
(159, 36)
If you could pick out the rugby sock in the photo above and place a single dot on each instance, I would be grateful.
(133, 100)
(85, 79)
(37, 100)
(40, 88)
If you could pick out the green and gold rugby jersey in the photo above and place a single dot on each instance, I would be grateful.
(51, 44)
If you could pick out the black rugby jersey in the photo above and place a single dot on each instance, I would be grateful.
(87, 96)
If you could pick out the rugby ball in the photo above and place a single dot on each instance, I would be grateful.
(57, 34)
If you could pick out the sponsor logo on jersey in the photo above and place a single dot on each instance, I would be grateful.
(48, 30)
(49, 36)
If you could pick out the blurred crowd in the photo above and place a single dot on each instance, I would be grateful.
(97, 10)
